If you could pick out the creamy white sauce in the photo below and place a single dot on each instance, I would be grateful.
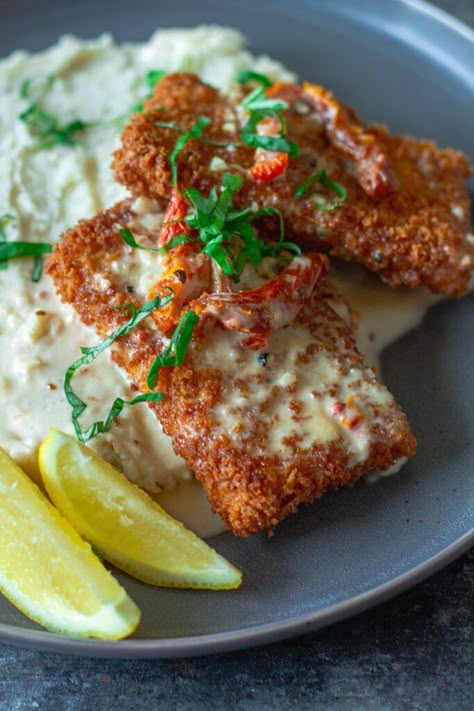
(50, 190)
(316, 385)
(383, 314)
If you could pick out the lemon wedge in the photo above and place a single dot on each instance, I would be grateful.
(124, 524)
(49, 572)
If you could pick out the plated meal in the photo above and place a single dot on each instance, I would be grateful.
(207, 315)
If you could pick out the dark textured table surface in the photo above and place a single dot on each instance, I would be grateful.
(414, 652)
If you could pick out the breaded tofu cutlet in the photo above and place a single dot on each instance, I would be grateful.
(406, 215)
(265, 428)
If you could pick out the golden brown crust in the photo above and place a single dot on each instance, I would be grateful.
(251, 488)
(89, 249)
(413, 236)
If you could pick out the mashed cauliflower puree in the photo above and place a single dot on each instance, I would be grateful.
(48, 190)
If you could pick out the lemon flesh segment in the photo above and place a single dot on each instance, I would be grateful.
(124, 524)
(49, 572)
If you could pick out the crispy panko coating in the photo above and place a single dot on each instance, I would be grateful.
(264, 430)
(249, 435)
(406, 216)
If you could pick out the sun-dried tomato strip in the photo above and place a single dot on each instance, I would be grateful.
(373, 167)
(275, 304)
(271, 168)
(186, 270)
(173, 222)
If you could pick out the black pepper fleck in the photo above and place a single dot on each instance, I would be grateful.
(129, 289)
(262, 359)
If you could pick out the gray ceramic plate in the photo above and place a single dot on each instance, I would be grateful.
(406, 64)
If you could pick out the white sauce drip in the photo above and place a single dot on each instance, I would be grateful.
(384, 314)
(317, 386)
(50, 190)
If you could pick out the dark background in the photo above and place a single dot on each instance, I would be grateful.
(414, 652)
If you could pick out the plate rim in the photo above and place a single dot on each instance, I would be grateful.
(428, 8)
(293, 626)
(202, 645)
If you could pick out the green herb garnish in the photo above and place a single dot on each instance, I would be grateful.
(90, 354)
(128, 237)
(4, 220)
(47, 127)
(177, 347)
(187, 64)
(228, 235)
(275, 251)
(246, 75)
(259, 107)
(321, 178)
(37, 269)
(269, 143)
(153, 77)
(195, 132)
(13, 250)
(176, 241)
(210, 141)
(258, 101)
(39, 86)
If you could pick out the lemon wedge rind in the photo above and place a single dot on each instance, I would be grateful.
(124, 524)
(48, 572)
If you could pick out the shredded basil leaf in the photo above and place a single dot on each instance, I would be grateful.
(321, 178)
(12, 250)
(177, 348)
(228, 235)
(176, 241)
(268, 250)
(128, 237)
(258, 101)
(153, 78)
(37, 269)
(246, 75)
(270, 143)
(210, 219)
(49, 130)
(168, 124)
(209, 141)
(187, 64)
(38, 86)
(4, 220)
(259, 107)
(195, 132)
(119, 403)
(90, 354)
